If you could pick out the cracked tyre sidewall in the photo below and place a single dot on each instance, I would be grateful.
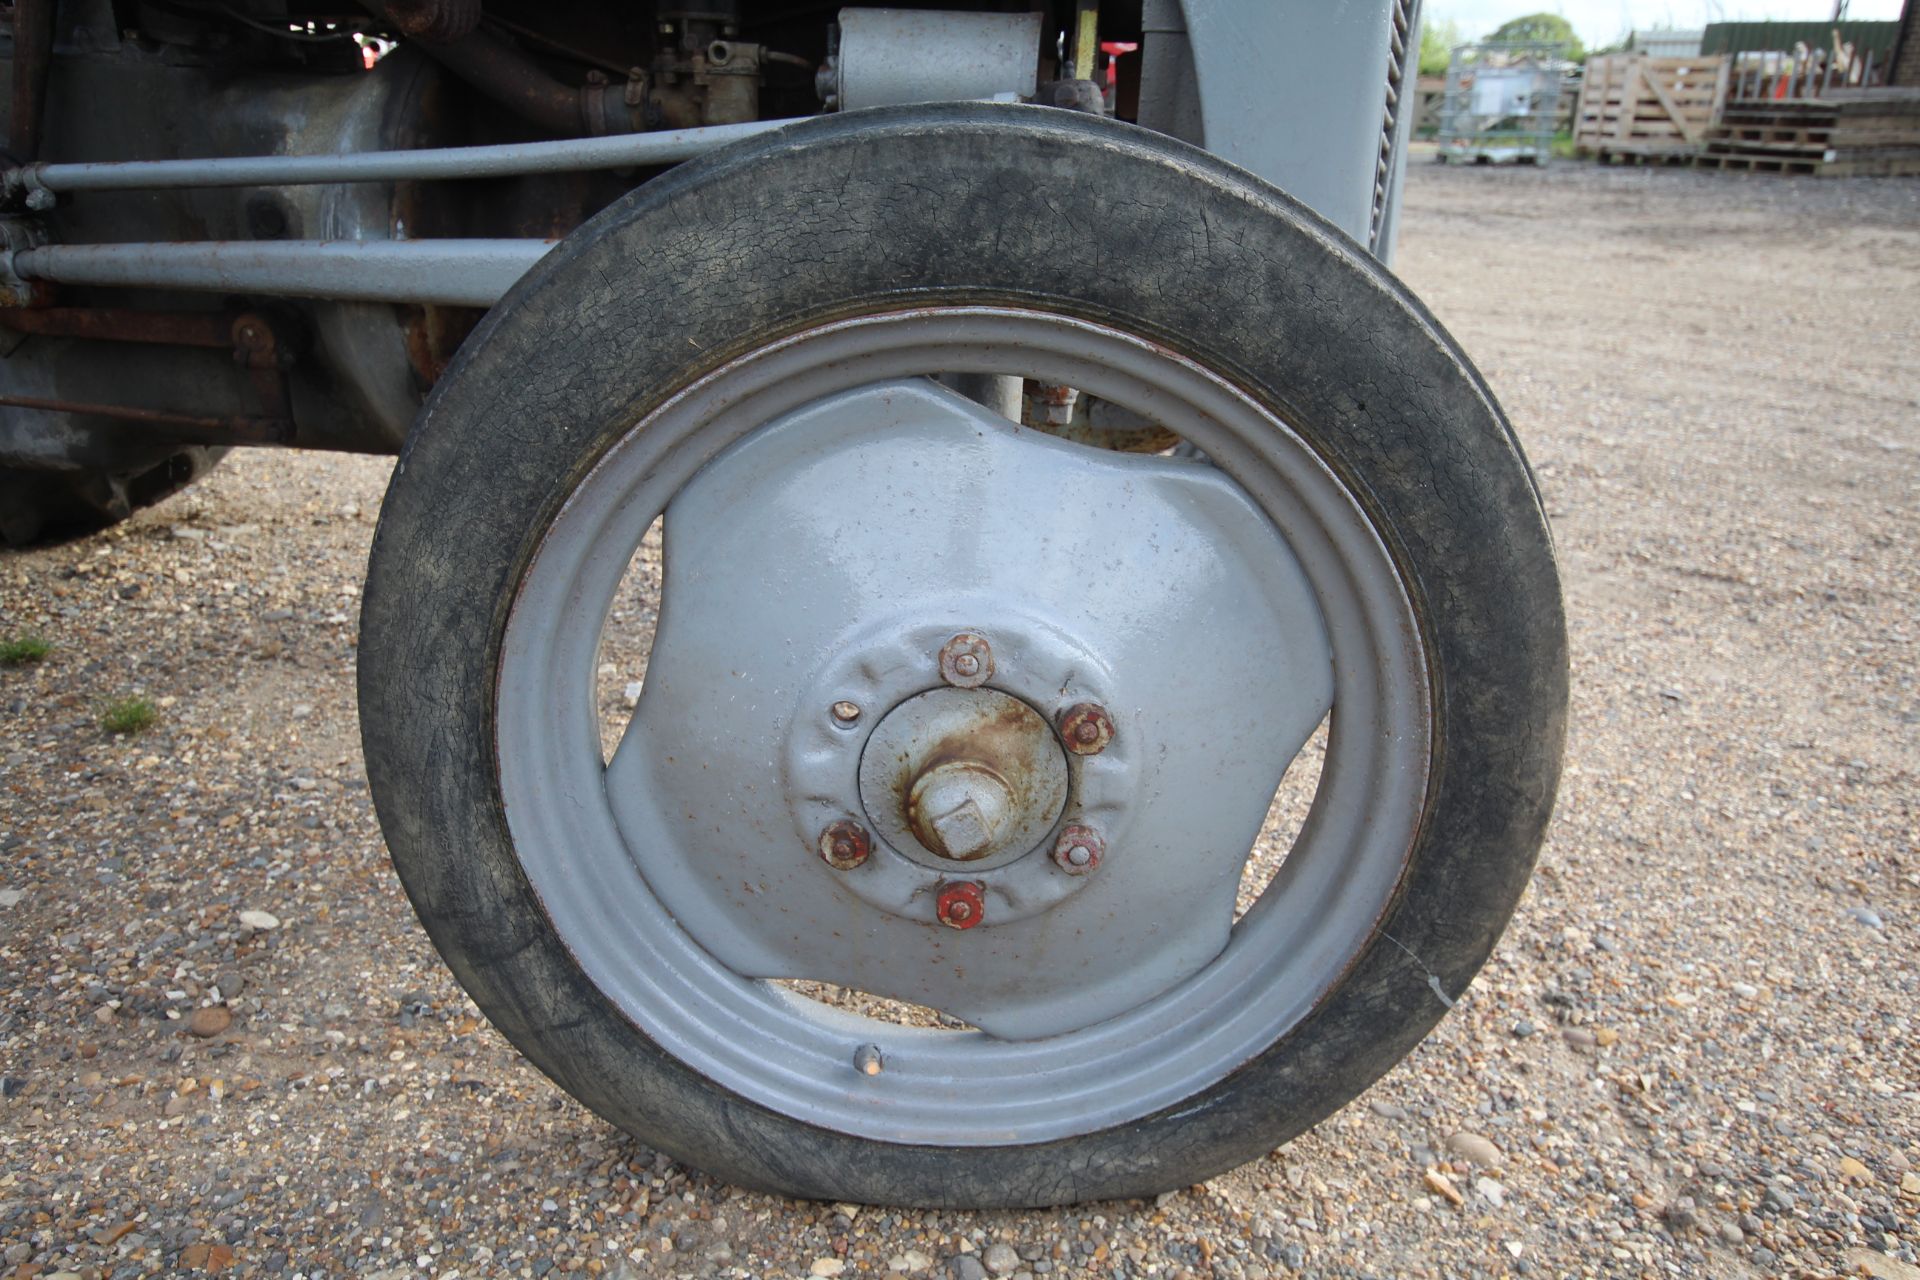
(876, 211)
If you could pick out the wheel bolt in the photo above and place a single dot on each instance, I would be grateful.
(966, 661)
(1078, 850)
(866, 1060)
(960, 904)
(845, 845)
(1086, 728)
(846, 714)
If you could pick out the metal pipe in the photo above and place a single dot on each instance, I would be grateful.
(569, 156)
(32, 55)
(460, 273)
(515, 81)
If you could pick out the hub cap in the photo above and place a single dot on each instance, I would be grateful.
(964, 776)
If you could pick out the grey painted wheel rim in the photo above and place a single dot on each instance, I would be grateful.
(795, 1056)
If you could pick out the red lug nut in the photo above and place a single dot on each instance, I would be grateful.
(961, 904)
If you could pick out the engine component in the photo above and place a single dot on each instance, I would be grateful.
(435, 21)
(713, 81)
(889, 57)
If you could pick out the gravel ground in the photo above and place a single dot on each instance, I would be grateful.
(1693, 1054)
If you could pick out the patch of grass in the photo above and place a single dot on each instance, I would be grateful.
(21, 650)
(128, 715)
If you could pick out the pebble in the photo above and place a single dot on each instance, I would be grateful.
(1579, 1038)
(1746, 990)
(210, 1021)
(11, 897)
(1731, 1234)
(827, 1267)
(1867, 916)
(966, 1267)
(912, 1262)
(1001, 1259)
(261, 920)
(1523, 1028)
(1493, 1192)
(1441, 1185)
(1471, 1146)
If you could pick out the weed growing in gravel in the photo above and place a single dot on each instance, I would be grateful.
(21, 650)
(128, 715)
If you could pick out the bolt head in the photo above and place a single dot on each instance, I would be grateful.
(1078, 850)
(844, 845)
(961, 905)
(966, 661)
(959, 809)
(1086, 728)
(846, 714)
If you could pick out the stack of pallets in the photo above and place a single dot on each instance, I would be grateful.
(1876, 134)
(1770, 137)
(1848, 133)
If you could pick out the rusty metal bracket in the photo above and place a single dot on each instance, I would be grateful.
(250, 336)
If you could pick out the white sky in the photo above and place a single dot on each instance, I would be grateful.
(1603, 21)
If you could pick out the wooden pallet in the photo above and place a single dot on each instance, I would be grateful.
(1903, 166)
(1770, 135)
(1761, 163)
(1653, 156)
(1634, 105)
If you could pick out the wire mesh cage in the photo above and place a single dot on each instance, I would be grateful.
(1502, 102)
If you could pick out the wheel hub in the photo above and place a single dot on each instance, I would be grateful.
(964, 776)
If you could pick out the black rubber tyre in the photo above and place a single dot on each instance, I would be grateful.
(41, 506)
(920, 207)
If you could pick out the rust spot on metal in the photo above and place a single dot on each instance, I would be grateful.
(115, 324)
(845, 844)
(961, 904)
(433, 334)
(1086, 728)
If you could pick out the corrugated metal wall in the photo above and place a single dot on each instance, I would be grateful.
(1746, 37)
